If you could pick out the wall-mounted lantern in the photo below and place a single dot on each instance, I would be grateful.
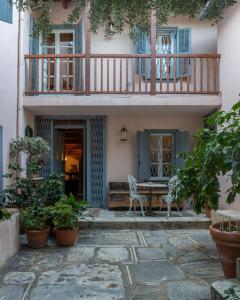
(124, 134)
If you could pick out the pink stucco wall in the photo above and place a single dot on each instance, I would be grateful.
(121, 156)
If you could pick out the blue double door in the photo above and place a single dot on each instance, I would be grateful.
(78, 146)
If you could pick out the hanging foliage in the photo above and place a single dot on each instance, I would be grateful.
(115, 14)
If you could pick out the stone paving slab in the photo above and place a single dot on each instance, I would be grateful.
(116, 264)
(156, 272)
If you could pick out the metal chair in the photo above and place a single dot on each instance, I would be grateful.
(169, 198)
(134, 196)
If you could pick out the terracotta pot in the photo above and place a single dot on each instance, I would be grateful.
(37, 238)
(66, 237)
(228, 247)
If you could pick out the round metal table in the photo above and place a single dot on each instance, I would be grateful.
(150, 186)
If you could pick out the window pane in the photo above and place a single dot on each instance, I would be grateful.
(66, 50)
(66, 39)
(50, 40)
(160, 155)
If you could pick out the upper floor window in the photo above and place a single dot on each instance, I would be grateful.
(6, 11)
(169, 40)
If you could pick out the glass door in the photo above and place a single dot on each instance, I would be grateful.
(57, 75)
(166, 44)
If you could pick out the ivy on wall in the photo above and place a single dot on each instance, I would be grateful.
(113, 15)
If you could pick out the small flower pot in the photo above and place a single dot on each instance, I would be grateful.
(37, 238)
(228, 247)
(66, 237)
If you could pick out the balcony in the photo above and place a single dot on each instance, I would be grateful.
(122, 74)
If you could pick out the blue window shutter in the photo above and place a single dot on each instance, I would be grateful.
(33, 49)
(44, 129)
(78, 49)
(182, 146)
(6, 11)
(183, 47)
(142, 46)
(78, 38)
(1, 158)
(33, 40)
(143, 169)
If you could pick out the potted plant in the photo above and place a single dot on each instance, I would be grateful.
(65, 215)
(35, 223)
(217, 153)
(65, 221)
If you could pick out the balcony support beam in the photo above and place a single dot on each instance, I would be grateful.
(153, 34)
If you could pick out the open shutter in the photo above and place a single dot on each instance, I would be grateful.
(1, 158)
(182, 146)
(143, 47)
(78, 50)
(6, 10)
(184, 47)
(44, 129)
(33, 49)
(97, 162)
(143, 169)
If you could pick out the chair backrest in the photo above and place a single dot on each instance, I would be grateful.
(171, 183)
(132, 185)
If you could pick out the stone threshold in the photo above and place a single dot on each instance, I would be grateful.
(110, 220)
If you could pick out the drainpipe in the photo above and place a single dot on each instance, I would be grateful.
(19, 69)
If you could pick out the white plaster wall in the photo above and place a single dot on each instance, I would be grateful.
(228, 47)
(121, 156)
(8, 83)
(9, 237)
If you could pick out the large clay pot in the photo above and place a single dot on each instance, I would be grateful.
(228, 247)
(66, 237)
(37, 238)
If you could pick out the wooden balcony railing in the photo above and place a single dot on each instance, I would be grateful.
(122, 74)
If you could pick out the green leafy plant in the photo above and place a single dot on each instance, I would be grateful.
(52, 188)
(66, 212)
(78, 206)
(135, 13)
(26, 190)
(4, 214)
(217, 153)
(63, 216)
(34, 217)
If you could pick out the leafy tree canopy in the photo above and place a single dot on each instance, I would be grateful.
(118, 13)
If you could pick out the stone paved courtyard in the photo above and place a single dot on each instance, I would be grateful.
(116, 264)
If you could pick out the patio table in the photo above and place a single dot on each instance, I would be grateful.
(150, 186)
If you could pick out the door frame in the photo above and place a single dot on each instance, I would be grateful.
(85, 154)
(50, 137)
(57, 30)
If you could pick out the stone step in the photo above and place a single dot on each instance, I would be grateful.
(148, 223)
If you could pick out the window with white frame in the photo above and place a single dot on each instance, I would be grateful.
(59, 72)
(161, 155)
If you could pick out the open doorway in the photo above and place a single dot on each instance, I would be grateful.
(69, 159)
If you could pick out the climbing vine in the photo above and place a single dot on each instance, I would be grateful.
(113, 15)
